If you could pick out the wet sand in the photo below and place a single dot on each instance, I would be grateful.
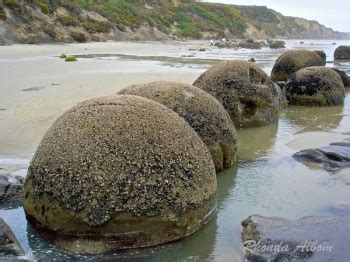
(37, 86)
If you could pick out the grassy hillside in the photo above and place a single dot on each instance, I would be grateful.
(49, 20)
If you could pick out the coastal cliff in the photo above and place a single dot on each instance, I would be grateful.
(48, 21)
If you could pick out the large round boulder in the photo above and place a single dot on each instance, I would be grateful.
(201, 111)
(315, 86)
(119, 172)
(245, 91)
(292, 61)
(342, 53)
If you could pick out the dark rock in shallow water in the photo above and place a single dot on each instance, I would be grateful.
(276, 44)
(324, 238)
(315, 86)
(334, 157)
(344, 77)
(8, 242)
(292, 61)
(342, 53)
(11, 188)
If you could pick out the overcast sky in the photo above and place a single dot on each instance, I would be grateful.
(334, 13)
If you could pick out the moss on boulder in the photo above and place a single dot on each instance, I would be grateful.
(201, 111)
(245, 91)
(119, 172)
(315, 86)
(292, 61)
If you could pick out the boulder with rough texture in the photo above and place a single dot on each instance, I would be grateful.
(201, 111)
(245, 91)
(314, 238)
(8, 241)
(342, 53)
(323, 55)
(344, 77)
(119, 172)
(334, 157)
(315, 86)
(292, 61)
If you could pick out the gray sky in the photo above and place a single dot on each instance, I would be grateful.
(334, 13)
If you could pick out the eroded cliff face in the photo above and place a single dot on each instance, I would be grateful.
(270, 23)
(38, 22)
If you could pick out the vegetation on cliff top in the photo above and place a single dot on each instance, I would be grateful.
(178, 18)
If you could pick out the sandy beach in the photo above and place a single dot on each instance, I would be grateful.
(38, 87)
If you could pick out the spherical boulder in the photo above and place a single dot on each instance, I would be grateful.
(323, 55)
(119, 172)
(315, 86)
(292, 61)
(201, 111)
(245, 91)
(342, 53)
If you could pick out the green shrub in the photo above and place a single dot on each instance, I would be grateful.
(79, 37)
(63, 56)
(2, 14)
(50, 30)
(93, 26)
(71, 58)
(67, 20)
(44, 7)
(12, 4)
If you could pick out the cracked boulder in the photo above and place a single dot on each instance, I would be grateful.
(245, 91)
(119, 172)
(201, 111)
(315, 86)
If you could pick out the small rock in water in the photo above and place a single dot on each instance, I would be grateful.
(316, 238)
(8, 242)
(334, 157)
(36, 88)
(11, 188)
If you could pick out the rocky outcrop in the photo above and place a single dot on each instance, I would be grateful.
(11, 189)
(276, 44)
(252, 44)
(292, 61)
(201, 111)
(314, 238)
(315, 86)
(8, 241)
(342, 53)
(334, 157)
(244, 89)
(119, 172)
